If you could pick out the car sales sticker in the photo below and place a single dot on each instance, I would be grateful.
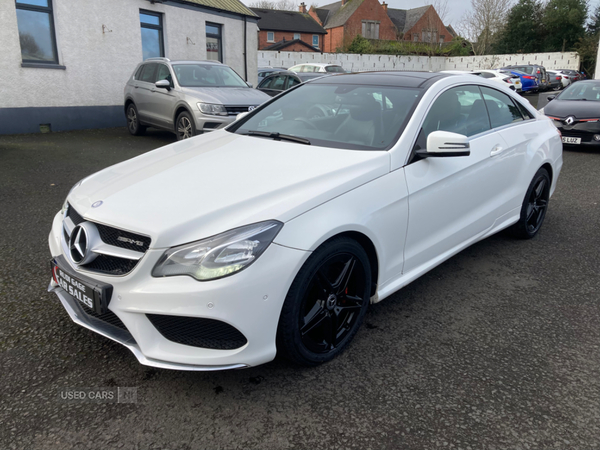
(75, 288)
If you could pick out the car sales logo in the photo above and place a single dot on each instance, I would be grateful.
(569, 120)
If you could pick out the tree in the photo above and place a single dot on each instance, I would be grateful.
(564, 23)
(283, 5)
(522, 32)
(593, 26)
(483, 23)
(29, 46)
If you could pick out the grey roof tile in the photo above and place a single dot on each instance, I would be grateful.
(276, 20)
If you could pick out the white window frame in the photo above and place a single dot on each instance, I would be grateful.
(297, 36)
(270, 34)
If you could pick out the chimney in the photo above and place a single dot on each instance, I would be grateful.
(344, 2)
(384, 4)
(303, 8)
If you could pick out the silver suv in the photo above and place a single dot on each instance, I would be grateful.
(186, 97)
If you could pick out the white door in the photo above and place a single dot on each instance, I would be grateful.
(451, 199)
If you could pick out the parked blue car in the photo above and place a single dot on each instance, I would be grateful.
(529, 83)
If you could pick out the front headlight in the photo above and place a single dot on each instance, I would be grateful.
(218, 256)
(214, 110)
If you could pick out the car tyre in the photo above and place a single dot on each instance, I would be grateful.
(534, 206)
(326, 303)
(185, 127)
(133, 121)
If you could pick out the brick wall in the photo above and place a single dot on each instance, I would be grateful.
(333, 40)
(289, 36)
(369, 10)
(429, 21)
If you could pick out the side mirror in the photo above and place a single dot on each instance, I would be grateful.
(551, 97)
(249, 84)
(240, 115)
(163, 84)
(444, 143)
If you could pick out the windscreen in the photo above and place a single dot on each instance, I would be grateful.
(207, 75)
(581, 91)
(355, 117)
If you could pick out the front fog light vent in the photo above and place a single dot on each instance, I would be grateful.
(198, 332)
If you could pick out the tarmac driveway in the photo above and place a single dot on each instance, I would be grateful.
(498, 348)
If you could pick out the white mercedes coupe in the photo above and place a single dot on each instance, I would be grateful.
(275, 234)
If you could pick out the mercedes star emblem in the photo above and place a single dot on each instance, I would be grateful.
(82, 241)
(96, 204)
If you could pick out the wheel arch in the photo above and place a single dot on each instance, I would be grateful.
(178, 110)
(128, 102)
(367, 244)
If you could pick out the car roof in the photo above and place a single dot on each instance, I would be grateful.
(387, 78)
(318, 64)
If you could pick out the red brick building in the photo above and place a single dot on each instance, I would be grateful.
(289, 30)
(346, 19)
(420, 25)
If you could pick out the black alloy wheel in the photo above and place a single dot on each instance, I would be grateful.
(326, 303)
(133, 121)
(185, 127)
(534, 206)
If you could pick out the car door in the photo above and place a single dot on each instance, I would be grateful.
(143, 94)
(161, 107)
(510, 166)
(451, 199)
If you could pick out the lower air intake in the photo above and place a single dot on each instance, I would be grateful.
(198, 332)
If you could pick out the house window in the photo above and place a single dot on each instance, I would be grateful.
(152, 34)
(415, 37)
(214, 42)
(36, 31)
(428, 36)
(316, 40)
(442, 38)
(370, 29)
(270, 36)
(296, 35)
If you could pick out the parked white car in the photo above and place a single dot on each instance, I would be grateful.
(275, 234)
(513, 81)
(317, 67)
(566, 78)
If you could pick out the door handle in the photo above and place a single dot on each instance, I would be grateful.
(496, 150)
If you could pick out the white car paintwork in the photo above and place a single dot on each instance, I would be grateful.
(416, 216)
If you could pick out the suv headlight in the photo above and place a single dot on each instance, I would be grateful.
(220, 255)
(214, 110)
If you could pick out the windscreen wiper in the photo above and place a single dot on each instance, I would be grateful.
(278, 136)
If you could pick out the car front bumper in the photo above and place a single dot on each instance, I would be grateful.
(249, 301)
(205, 122)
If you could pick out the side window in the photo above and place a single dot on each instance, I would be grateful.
(486, 75)
(149, 73)
(264, 83)
(164, 74)
(293, 81)
(458, 110)
(138, 73)
(526, 114)
(278, 82)
(500, 107)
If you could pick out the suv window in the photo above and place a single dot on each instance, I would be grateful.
(138, 73)
(149, 73)
(164, 74)
(500, 107)
(487, 75)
